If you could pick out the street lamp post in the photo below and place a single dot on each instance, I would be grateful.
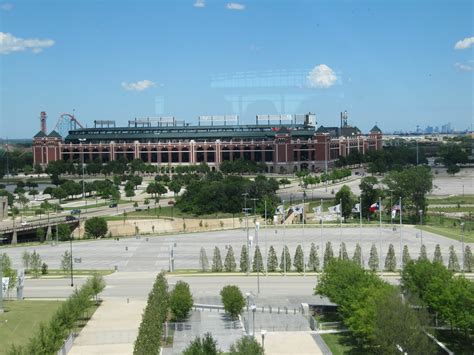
(263, 332)
(254, 309)
(421, 222)
(245, 194)
(462, 247)
(257, 227)
(247, 294)
(72, 261)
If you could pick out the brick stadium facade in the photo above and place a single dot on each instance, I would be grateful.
(282, 147)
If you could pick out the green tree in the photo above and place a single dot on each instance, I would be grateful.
(412, 184)
(398, 325)
(66, 262)
(96, 227)
(246, 346)
(453, 169)
(64, 232)
(373, 258)
(35, 264)
(233, 300)
(468, 259)
(369, 194)
(357, 257)
(346, 197)
(40, 234)
(229, 263)
(257, 264)
(437, 258)
(298, 260)
(343, 252)
(25, 257)
(244, 259)
(205, 346)
(285, 260)
(328, 254)
(453, 263)
(457, 305)
(203, 261)
(97, 285)
(7, 271)
(216, 260)
(313, 263)
(452, 154)
(390, 259)
(406, 256)
(181, 301)
(423, 255)
(272, 262)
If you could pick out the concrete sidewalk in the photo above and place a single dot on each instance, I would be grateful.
(112, 329)
(301, 343)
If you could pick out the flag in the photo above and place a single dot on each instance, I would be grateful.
(317, 210)
(395, 209)
(374, 207)
(356, 208)
(335, 209)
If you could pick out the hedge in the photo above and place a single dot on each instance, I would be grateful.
(156, 311)
(51, 336)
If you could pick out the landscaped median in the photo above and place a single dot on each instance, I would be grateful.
(41, 327)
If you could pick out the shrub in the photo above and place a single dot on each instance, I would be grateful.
(246, 345)
(205, 346)
(44, 269)
(233, 300)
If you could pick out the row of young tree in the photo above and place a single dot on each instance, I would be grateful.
(313, 261)
(50, 336)
(162, 305)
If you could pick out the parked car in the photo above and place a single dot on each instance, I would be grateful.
(25, 223)
(112, 205)
(76, 211)
(70, 218)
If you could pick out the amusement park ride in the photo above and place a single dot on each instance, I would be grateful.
(67, 122)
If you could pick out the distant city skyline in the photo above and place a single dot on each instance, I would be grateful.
(397, 64)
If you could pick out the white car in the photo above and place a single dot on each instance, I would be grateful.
(25, 223)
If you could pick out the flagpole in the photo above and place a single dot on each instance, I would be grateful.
(401, 250)
(340, 226)
(380, 233)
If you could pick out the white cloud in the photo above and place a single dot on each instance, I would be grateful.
(235, 6)
(10, 43)
(200, 3)
(465, 43)
(322, 76)
(464, 67)
(6, 6)
(138, 86)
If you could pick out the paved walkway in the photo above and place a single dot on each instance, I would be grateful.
(301, 343)
(111, 330)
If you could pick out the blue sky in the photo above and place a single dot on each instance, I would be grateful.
(393, 63)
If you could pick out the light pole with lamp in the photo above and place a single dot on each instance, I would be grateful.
(72, 261)
(254, 309)
(421, 222)
(247, 294)
(257, 227)
(462, 247)
(263, 332)
(245, 194)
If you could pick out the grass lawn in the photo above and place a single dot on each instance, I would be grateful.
(451, 200)
(173, 212)
(342, 343)
(449, 232)
(21, 320)
(77, 272)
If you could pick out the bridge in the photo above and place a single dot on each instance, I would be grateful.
(27, 232)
